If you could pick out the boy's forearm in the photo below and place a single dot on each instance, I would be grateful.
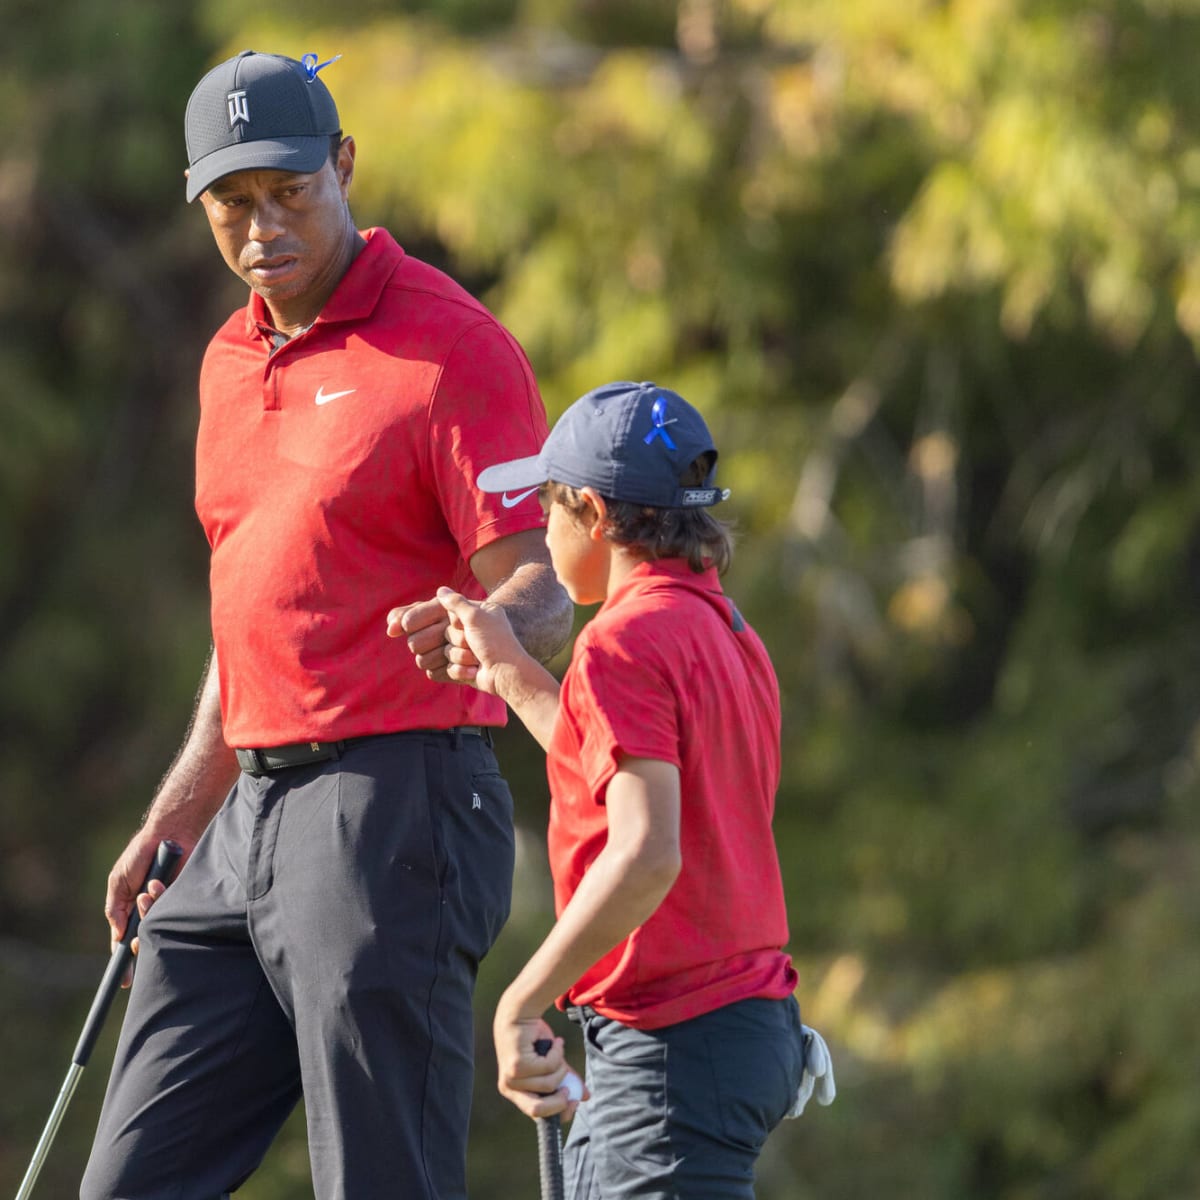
(621, 890)
(617, 894)
(532, 694)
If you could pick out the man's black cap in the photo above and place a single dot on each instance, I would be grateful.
(257, 112)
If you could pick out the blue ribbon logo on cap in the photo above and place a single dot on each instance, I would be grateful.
(311, 67)
(658, 414)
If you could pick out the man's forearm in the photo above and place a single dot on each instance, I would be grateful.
(538, 609)
(202, 773)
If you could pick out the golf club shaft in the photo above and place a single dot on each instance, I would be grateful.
(44, 1142)
(549, 1130)
(165, 858)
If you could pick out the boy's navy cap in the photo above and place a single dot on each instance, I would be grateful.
(629, 441)
(257, 112)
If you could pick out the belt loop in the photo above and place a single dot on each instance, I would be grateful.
(260, 767)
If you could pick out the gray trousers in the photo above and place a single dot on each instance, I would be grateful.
(683, 1112)
(322, 940)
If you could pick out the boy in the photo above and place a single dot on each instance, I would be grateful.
(663, 749)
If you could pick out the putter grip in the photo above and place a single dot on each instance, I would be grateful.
(165, 858)
(549, 1130)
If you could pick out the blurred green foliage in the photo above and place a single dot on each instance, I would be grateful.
(932, 271)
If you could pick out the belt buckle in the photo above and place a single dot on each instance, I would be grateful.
(251, 761)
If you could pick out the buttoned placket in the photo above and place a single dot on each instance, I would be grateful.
(272, 398)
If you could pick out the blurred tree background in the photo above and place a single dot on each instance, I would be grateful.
(932, 270)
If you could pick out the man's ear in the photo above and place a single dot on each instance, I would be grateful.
(345, 162)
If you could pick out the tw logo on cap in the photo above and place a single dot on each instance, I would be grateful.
(239, 108)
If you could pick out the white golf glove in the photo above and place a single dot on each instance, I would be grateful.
(817, 1079)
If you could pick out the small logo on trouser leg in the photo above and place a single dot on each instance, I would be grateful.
(476, 801)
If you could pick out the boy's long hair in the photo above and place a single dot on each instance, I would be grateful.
(690, 533)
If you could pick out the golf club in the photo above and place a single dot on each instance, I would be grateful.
(549, 1131)
(165, 858)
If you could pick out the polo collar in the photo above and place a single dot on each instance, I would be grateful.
(356, 296)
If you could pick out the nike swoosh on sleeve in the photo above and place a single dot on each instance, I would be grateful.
(512, 501)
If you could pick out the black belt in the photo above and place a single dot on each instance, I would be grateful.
(301, 754)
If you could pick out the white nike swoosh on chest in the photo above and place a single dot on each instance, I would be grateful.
(324, 397)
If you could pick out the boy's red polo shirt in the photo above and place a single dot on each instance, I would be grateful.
(335, 479)
(665, 670)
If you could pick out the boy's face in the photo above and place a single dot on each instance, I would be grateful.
(578, 551)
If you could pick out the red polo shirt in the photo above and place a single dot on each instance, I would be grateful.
(335, 480)
(668, 670)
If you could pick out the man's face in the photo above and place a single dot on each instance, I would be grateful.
(285, 234)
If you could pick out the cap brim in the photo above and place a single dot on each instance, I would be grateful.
(513, 476)
(302, 155)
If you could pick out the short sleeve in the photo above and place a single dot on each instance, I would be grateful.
(623, 705)
(486, 409)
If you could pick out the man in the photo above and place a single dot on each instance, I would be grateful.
(350, 862)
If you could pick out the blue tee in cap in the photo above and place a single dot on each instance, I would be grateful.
(629, 441)
(258, 112)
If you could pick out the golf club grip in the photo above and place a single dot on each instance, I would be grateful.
(550, 1168)
(549, 1131)
(165, 858)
